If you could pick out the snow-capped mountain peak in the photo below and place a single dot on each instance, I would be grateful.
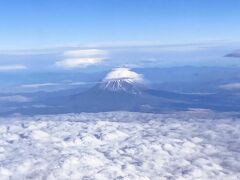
(122, 79)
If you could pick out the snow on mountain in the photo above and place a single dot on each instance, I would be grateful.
(122, 79)
(120, 145)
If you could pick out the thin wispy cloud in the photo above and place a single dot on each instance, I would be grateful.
(15, 98)
(81, 58)
(84, 53)
(12, 67)
(38, 85)
(44, 85)
(81, 83)
(231, 86)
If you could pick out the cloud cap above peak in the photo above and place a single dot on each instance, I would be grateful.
(123, 73)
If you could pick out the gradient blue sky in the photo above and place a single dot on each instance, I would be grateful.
(33, 24)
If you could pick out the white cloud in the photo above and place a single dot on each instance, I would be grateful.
(84, 53)
(78, 62)
(120, 144)
(124, 73)
(231, 86)
(81, 83)
(44, 85)
(38, 85)
(16, 98)
(12, 67)
(81, 58)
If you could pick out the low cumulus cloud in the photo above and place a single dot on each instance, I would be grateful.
(120, 145)
(12, 67)
(81, 58)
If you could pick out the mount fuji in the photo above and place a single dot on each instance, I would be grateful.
(123, 79)
(121, 90)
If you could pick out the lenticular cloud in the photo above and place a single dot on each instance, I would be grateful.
(124, 73)
(119, 145)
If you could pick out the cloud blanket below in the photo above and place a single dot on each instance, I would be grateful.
(119, 145)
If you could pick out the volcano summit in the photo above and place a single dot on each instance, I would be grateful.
(122, 79)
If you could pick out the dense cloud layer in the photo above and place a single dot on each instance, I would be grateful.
(119, 145)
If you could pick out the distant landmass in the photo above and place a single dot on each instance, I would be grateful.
(121, 90)
(235, 54)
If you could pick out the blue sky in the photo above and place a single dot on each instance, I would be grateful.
(97, 35)
(28, 24)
